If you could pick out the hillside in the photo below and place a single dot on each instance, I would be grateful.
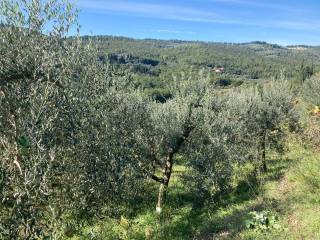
(153, 62)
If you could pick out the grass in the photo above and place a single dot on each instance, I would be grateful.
(288, 197)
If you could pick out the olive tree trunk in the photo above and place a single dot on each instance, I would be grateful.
(263, 144)
(165, 183)
(167, 169)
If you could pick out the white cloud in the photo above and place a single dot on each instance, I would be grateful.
(169, 31)
(261, 4)
(157, 10)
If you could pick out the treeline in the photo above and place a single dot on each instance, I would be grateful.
(79, 138)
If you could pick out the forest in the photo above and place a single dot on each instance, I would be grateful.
(106, 137)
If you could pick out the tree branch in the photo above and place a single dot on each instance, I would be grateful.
(156, 178)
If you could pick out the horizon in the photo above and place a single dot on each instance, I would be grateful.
(224, 21)
(201, 41)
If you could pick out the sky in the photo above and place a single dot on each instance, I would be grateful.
(283, 22)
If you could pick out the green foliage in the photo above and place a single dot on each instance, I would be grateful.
(32, 68)
(59, 108)
(262, 221)
(311, 90)
(304, 72)
(263, 114)
(247, 61)
(83, 132)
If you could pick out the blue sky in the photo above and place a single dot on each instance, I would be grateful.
(277, 21)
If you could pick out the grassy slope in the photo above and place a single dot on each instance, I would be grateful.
(290, 193)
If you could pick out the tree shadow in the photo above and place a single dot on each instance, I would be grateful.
(205, 221)
(277, 168)
(222, 216)
(225, 216)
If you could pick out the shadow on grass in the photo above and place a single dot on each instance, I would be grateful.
(185, 217)
(207, 224)
(225, 216)
(183, 220)
(277, 168)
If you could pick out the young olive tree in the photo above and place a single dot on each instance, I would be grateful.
(193, 124)
(213, 147)
(311, 94)
(171, 126)
(262, 111)
(311, 90)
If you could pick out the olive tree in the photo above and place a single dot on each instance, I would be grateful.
(109, 121)
(311, 95)
(38, 67)
(70, 125)
(311, 90)
(213, 147)
(171, 124)
(262, 110)
(195, 124)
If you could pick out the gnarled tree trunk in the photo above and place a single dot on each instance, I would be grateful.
(165, 181)
(167, 169)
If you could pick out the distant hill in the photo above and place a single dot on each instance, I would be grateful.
(154, 62)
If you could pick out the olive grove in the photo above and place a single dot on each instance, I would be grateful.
(77, 136)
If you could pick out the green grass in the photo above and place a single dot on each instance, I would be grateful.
(289, 195)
